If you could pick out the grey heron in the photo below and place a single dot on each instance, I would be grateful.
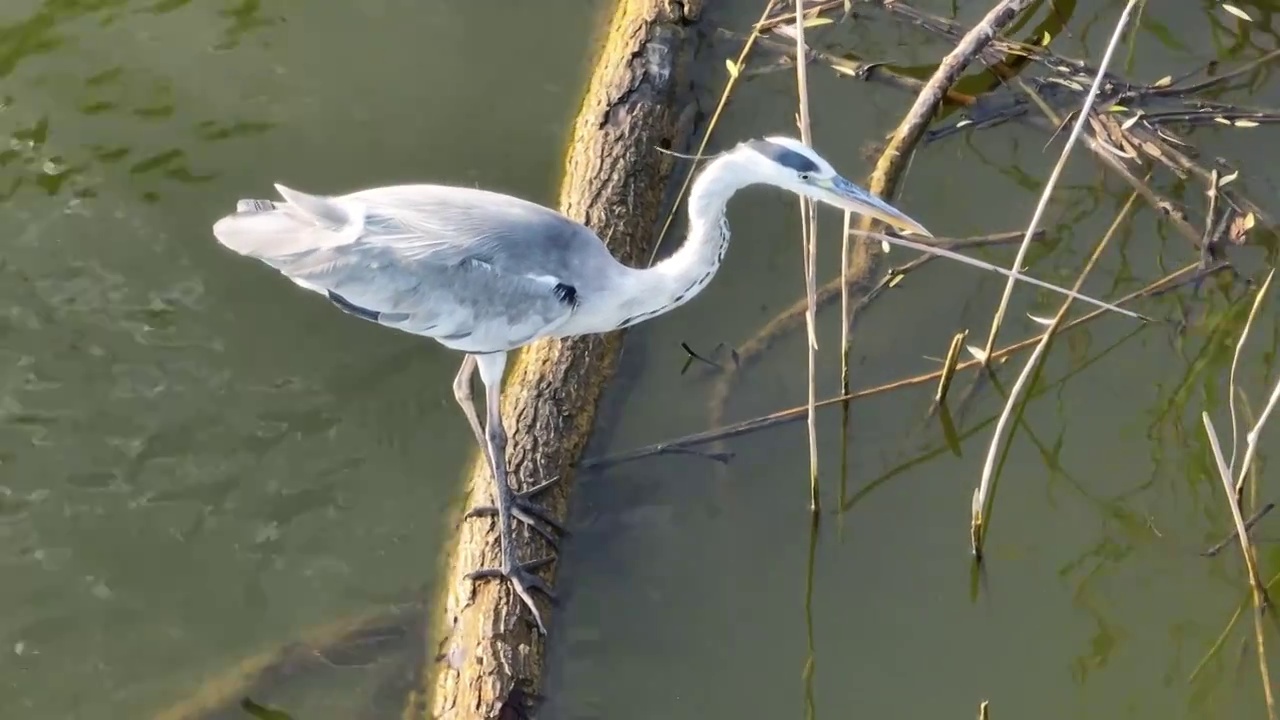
(485, 274)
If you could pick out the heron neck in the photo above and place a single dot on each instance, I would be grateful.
(677, 279)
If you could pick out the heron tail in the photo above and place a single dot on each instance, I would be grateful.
(269, 230)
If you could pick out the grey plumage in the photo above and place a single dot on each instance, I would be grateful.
(486, 273)
(478, 271)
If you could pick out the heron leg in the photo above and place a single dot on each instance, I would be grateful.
(462, 393)
(522, 579)
(522, 506)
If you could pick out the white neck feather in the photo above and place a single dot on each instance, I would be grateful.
(677, 279)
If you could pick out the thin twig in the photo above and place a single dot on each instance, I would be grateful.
(983, 496)
(1216, 80)
(1248, 525)
(809, 230)
(1012, 274)
(1081, 119)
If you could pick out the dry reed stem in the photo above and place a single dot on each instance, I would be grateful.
(1231, 381)
(1043, 203)
(808, 230)
(949, 366)
(1259, 592)
(883, 178)
(1251, 439)
(846, 320)
(842, 286)
(980, 510)
(889, 168)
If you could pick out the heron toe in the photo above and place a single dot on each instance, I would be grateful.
(523, 581)
(524, 509)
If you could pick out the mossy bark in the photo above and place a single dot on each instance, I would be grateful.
(614, 183)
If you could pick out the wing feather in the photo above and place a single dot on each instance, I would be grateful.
(476, 270)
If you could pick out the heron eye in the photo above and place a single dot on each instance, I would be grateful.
(804, 177)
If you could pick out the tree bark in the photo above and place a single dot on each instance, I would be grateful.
(614, 184)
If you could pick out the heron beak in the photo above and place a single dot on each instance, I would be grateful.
(847, 196)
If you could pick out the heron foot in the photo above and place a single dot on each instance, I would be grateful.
(522, 580)
(524, 509)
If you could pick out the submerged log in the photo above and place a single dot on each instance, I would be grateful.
(614, 183)
(364, 638)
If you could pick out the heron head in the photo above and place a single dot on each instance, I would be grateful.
(792, 165)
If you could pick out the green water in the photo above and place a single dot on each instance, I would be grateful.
(200, 461)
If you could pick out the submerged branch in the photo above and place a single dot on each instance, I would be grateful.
(911, 128)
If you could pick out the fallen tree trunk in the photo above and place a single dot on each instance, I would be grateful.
(614, 182)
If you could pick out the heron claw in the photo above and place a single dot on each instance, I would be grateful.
(524, 509)
(523, 581)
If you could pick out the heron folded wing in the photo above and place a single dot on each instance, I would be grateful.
(419, 223)
(479, 272)
(469, 306)
(453, 225)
